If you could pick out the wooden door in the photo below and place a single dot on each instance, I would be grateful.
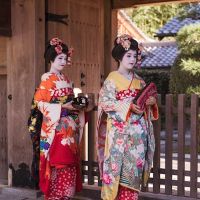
(83, 33)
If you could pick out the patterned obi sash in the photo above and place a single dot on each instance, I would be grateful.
(62, 92)
(123, 94)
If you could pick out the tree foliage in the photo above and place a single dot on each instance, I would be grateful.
(150, 18)
(188, 40)
(185, 73)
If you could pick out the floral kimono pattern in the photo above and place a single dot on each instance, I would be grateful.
(61, 130)
(125, 140)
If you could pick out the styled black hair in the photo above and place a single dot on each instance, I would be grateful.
(55, 47)
(122, 44)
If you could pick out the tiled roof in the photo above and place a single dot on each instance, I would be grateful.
(172, 27)
(159, 55)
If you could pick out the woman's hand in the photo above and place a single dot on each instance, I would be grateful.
(136, 109)
(151, 101)
(69, 106)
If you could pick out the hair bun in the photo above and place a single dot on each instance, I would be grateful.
(124, 40)
(54, 47)
(122, 44)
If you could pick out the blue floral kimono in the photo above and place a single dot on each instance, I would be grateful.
(125, 140)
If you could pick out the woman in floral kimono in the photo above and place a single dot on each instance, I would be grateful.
(125, 139)
(59, 172)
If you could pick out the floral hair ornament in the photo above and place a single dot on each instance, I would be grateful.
(139, 55)
(125, 41)
(69, 55)
(57, 43)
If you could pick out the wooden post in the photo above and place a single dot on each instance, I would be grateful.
(114, 35)
(181, 144)
(107, 36)
(156, 161)
(91, 144)
(25, 66)
(194, 145)
(3, 128)
(168, 144)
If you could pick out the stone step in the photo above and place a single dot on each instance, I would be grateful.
(88, 193)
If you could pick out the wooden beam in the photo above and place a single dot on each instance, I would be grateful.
(114, 34)
(118, 4)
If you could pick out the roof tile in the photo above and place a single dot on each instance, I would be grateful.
(172, 27)
(159, 55)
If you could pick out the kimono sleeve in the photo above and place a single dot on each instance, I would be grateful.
(115, 109)
(154, 112)
(43, 95)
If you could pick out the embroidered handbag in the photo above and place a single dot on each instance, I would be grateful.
(142, 96)
(80, 102)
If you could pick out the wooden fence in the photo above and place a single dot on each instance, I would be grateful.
(176, 168)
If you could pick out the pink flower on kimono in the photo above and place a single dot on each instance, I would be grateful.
(114, 167)
(140, 141)
(139, 163)
(107, 179)
(119, 125)
(108, 107)
(119, 141)
(132, 141)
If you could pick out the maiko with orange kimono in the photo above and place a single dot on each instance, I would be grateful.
(62, 126)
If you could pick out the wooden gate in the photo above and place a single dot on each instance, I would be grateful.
(177, 156)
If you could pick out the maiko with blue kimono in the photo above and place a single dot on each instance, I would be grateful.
(125, 139)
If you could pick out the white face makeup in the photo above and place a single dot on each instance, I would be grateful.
(129, 60)
(59, 63)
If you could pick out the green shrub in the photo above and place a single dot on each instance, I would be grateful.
(185, 73)
(188, 40)
(159, 77)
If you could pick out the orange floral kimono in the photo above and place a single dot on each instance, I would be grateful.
(61, 129)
